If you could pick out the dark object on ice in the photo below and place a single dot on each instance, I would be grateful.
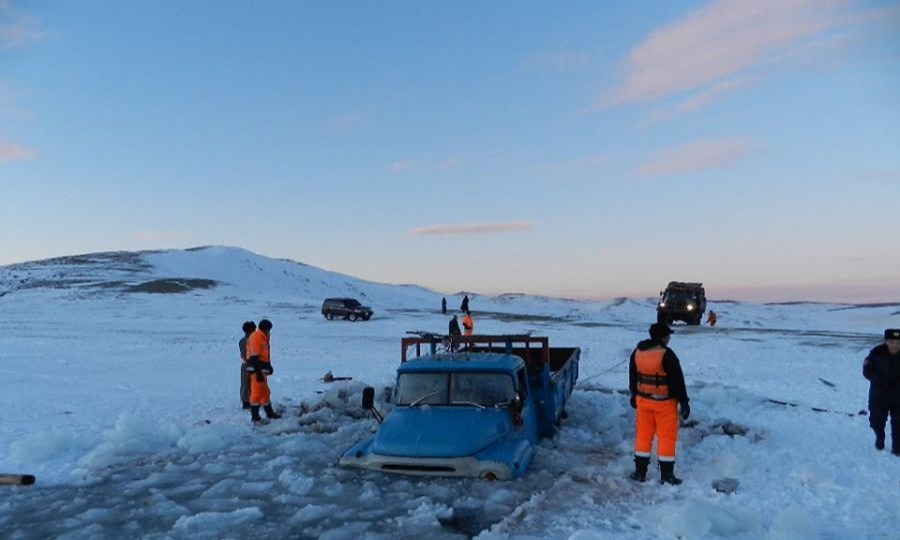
(681, 302)
(729, 428)
(726, 485)
(328, 377)
(827, 383)
(345, 308)
(16, 479)
(667, 473)
(640, 468)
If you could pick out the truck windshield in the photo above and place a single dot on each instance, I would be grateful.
(485, 389)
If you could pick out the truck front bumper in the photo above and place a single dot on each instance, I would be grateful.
(459, 466)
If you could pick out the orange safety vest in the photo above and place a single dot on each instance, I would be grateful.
(652, 380)
(468, 324)
(258, 345)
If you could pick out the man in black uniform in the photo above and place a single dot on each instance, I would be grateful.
(882, 368)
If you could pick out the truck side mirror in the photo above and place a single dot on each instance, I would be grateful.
(368, 398)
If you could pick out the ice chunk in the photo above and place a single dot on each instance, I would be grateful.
(207, 522)
(793, 524)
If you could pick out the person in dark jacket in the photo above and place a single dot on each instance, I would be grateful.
(657, 389)
(464, 307)
(249, 327)
(882, 368)
(444, 306)
(454, 332)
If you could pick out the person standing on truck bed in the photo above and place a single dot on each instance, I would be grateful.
(657, 388)
(882, 368)
(249, 327)
(260, 365)
(468, 324)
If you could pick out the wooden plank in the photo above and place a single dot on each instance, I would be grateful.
(16, 479)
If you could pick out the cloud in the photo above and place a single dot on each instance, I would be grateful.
(10, 152)
(155, 235)
(17, 29)
(718, 41)
(695, 156)
(703, 97)
(405, 165)
(473, 228)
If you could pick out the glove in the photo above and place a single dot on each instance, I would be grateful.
(633, 401)
(685, 410)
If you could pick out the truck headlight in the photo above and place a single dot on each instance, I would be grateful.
(690, 307)
(662, 304)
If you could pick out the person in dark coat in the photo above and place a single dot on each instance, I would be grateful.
(882, 368)
(454, 332)
(444, 306)
(464, 307)
(249, 327)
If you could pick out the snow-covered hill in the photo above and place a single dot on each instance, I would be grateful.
(120, 391)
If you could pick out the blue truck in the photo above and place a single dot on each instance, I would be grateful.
(469, 406)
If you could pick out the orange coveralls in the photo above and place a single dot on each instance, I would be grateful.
(258, 345)
(468, 325)
(658, 413)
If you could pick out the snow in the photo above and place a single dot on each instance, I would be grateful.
(124, 405)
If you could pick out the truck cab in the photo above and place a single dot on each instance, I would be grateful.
(476, 412)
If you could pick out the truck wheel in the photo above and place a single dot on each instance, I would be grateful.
(351, 317)
(329, 316)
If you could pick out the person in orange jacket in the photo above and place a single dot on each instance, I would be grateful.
(657, 389)
(259, 365)
(711, 318)
(468, 324)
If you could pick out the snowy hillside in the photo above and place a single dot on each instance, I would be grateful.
(121, 394)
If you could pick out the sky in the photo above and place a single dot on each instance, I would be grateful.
(579, 149)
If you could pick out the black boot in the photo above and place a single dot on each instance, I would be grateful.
(246, 405)
(667, 473)
(254, 414)
(270, 413)
(640, 469)
(879, 439)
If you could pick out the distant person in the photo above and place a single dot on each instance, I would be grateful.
(711, 318)
(455, 332)
(468, 324)
(259, 363)
(882, 368)
(464, 307)
(657, 388)
(248, 329)
(444, 306)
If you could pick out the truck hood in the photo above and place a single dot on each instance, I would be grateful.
(448, 431)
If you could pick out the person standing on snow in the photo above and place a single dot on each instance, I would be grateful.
(468, 324)
(259, 364)
(455, 332)
(657, 388)
(464, 307)
(882, 368)
(444, 306)
(711, 318)
(248, 329)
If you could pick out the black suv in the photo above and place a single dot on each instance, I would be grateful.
(346, 308)
(681, 301)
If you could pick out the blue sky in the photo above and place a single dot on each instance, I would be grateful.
(579, 149)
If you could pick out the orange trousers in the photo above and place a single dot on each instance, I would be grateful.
(259, 390)
(658, 418)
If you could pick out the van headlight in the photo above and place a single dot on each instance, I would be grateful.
(690, 307)
(662, 304)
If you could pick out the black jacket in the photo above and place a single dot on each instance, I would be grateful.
(883, 371)
(454, 328)
(670, 365)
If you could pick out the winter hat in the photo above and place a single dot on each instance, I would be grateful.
(265, 325)
(248, 327)
(660, 330)
(892, 333)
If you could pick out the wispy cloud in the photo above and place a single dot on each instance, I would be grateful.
(702, 98)
(721, 40)
(17, 29)
(10, 152)
(474, 228)
(695, 156)
(155, 235)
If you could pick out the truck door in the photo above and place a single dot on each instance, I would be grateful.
(527, 411)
